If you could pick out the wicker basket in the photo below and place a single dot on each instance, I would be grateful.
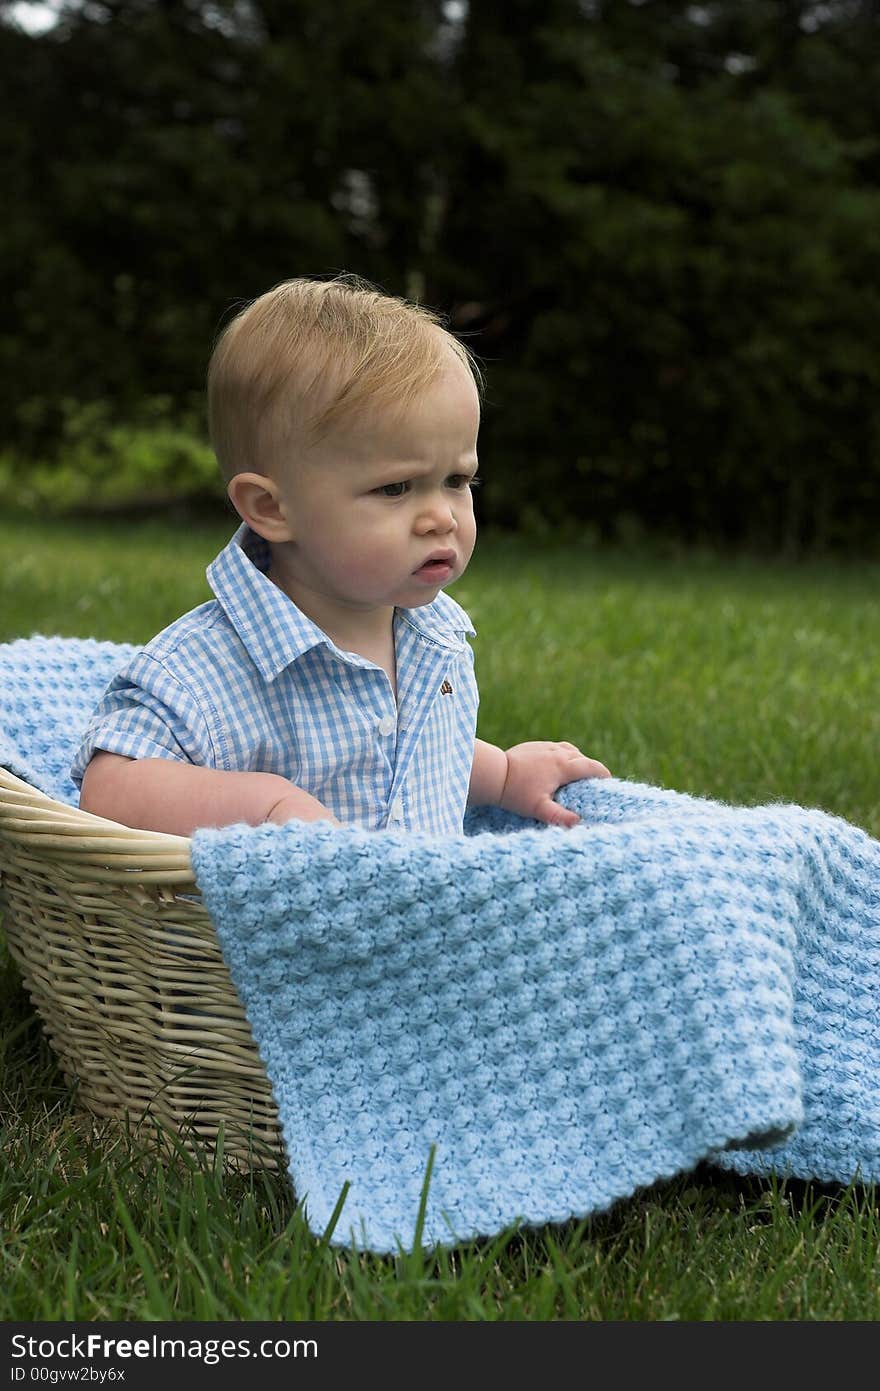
(122, 962)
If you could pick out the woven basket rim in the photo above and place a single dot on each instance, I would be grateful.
(31, 817)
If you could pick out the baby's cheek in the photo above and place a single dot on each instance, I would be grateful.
(354, 563)
(367, 566)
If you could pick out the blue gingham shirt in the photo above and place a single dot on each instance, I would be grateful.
(247, 682)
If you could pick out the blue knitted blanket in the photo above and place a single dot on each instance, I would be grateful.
(559, 1017)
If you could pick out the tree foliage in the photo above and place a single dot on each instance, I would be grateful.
(657, 223)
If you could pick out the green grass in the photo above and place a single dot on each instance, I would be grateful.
(738, 679)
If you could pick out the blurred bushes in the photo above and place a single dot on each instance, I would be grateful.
(99, 464)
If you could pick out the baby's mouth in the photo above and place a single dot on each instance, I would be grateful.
(440, 562)
(437, 569)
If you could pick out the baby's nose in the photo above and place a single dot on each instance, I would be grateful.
(439, 516)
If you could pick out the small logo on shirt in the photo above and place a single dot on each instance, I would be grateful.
(446, 688)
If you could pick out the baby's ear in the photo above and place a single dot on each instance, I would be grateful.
(257, 500)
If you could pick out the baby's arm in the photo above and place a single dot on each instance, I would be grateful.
(524, 778)
(161, 794)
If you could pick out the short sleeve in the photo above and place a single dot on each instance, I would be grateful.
(147, 712)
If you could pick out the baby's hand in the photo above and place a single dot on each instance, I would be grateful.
(536, 770)
(298, 805)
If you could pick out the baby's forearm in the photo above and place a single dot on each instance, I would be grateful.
(160, 794)
(488, 775)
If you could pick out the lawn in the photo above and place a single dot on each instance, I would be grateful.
(750, 681)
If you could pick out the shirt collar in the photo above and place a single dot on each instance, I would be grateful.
(275, 632)
(272, 628)
(443, 621)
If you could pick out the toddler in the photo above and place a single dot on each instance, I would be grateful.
(331, 676)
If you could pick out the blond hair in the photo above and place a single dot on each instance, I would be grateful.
(309, 353)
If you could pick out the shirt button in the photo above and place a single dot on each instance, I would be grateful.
(387, 724)
(395, 811)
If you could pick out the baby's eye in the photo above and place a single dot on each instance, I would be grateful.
(463, 480)
(393, 489)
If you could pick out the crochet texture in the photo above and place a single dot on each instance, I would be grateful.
(562, 1017)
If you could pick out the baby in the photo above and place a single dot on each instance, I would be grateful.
(331, 676)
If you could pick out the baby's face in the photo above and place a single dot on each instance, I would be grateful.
(381, 513)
